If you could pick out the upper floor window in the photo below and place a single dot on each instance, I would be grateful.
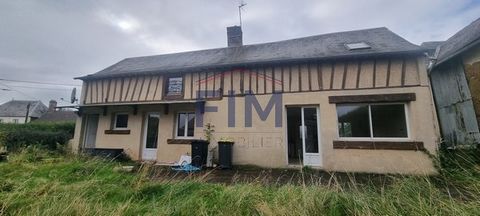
(174, 86)
(185, 124)
(372, 121)
(120, 121)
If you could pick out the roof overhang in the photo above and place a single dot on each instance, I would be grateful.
(456, 53)
(144, 103)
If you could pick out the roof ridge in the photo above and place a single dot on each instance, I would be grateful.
(329, 45)
(265, 43)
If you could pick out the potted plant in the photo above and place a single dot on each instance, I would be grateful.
(225, 146)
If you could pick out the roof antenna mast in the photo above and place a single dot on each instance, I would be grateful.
(240, 10)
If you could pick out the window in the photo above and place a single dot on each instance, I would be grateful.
(185, 124)
(120, 121)
(357, 46)
(174, 86)
(15, 121)
(1, 120)
(372, 121)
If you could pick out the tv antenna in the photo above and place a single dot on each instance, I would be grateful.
(240, 11)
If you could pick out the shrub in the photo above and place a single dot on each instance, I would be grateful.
(47, 135)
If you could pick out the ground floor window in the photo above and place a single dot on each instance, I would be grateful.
(120, 121)
(372, 120)
(185, 124)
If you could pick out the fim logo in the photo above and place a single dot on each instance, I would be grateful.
(275, 103)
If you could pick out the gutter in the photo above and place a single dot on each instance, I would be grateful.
(459, 51)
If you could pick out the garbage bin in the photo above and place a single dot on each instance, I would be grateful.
(225, 154)
(199, 152)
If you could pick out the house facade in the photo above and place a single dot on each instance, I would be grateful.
(21, 111)
(349, 101)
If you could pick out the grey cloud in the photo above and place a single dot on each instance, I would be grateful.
(54, 41)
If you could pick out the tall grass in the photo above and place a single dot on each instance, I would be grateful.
(36, 182)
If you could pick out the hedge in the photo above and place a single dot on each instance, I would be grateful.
(17, 136)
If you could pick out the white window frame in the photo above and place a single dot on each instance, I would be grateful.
(115, 121)
(372, 138)
(186, 125)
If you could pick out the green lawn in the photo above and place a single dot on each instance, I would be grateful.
(40, 183)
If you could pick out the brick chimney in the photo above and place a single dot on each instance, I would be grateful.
(234, 36)
(52, 105)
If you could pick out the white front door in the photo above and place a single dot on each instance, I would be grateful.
(91, 127)
(150, 140)
(310, 136)
(303, 136)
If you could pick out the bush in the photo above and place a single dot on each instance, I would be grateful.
(47, 135)
(68, 127)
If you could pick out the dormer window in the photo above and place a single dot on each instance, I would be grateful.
(357, 46)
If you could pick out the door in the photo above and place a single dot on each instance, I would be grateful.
(150, 141)
(91, 127)
(303, 136)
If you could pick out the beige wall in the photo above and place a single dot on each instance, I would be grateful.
(264, 145)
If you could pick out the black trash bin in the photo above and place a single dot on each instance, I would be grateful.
(225, 154)
(199, 152)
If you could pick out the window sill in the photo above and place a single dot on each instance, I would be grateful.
(379, 145)
(124, 132)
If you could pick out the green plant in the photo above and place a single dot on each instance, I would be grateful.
(208, 131)
(226, 139)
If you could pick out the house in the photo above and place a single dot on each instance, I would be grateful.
(455, 82)
(21, 111)
(55, 114)
(348, 101)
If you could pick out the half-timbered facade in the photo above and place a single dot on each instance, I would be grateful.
(348, 101)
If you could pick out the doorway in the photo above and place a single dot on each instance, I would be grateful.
(303, 136)
(91, 127)
(150, 141)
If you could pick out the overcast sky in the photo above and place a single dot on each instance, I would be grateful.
(55, 41)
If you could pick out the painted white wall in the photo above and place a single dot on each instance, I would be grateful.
(20, 120)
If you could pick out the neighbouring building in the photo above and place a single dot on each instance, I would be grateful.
(56, 114)
(348, 101)
(455, 78)
(21, 111)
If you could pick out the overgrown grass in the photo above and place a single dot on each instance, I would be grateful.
(35, 182)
